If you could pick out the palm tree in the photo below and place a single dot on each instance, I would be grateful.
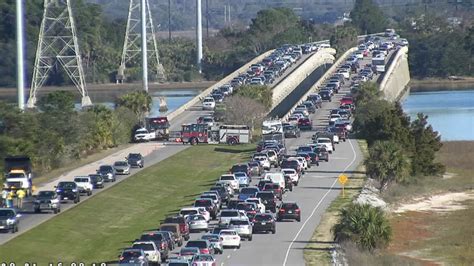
(387, 162)
(139, 102)
(364, 225)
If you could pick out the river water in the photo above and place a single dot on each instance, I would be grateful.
(174, 99)
(451, 113)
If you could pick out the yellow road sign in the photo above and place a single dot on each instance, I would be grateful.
(342, 179)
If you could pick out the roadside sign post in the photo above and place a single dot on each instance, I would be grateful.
(342, 180)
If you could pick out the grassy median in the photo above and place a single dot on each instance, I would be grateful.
(99, 228)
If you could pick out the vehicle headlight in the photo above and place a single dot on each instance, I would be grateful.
(74, 190)
(10, 221)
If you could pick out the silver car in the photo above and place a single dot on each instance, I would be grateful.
(197, 222)
(243, 227)
(122, 168)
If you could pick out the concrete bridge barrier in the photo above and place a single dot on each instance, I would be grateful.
(223, 81)
(286, 86)
(396, 77)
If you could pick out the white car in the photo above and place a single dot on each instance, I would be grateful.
(84, 184)
(230, 238)
(345, 73)
(226, 215)
(276, 177)
(243, 227)
(185, 212)
(326, 142)
(359, 55)
(259, 202)
(208, 103)
(227, 185)
(234, 182)
(263, 161)
(150, 249)
(295, 178)
(333, 118)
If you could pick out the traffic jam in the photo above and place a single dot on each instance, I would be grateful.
(250, 199)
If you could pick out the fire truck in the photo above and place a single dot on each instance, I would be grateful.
(202, 133)
(160, 126)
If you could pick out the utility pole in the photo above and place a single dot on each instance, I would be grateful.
(169, 21)
(19, 52)
(207, 19)
(144, 46)
(199, 35)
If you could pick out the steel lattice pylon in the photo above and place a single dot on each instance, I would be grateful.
(132, 43)
(57, 42)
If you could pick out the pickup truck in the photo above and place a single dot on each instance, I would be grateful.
(84, 184)
(18, 173)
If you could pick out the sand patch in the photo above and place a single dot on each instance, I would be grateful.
(437, 203)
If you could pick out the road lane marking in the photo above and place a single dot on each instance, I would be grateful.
(317, 205)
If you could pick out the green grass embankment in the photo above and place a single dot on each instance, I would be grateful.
(99, 228)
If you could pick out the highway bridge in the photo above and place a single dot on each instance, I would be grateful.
(316, 190)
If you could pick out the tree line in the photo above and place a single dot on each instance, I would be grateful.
(57, 133)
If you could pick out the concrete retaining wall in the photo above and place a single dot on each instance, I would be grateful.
(396, 77)
(223, 81)
(286, 86)
(327, 75)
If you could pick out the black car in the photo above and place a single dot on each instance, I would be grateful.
(322, 153)
(326, 96)
(316, 99)
(264, 222)
(289, 210)
(232, 204)
(244, 168)
(97, 181)
(132, 256)
(169, 238)
(135, 160)
(291, 131)
(314, 158)
(268, 199)
(262, 184)
(47, 200)
(223, 193)
(9, 219)
(160, 241)
(107, 172)
(68, 190)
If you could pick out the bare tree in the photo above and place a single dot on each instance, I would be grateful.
(244, 111)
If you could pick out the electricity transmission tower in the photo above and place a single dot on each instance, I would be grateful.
(57, 42)
(132, 44)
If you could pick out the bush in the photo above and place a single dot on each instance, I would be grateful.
(364, 225)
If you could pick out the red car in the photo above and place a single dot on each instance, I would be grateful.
(305, 124)
(347, 100)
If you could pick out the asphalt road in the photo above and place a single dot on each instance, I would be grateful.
(316, 190)
(154, 152)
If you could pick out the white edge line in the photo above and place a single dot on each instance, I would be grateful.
(317, 205)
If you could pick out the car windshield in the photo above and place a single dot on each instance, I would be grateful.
(134, 156)
(249, 190)
(189, 250)
(228, 233)
(289, 206)
(105, 168)
(169, 228)
(171, 220)
(46, 194)
(7, 213)
(16, 175)
(95, 178)
(81, 180)
(289, 172)
(227, 177)
(229, 213)
(210, 237)
(196, 244)
(264, 195)
(202, 203)
(145, 247)
(196, 218)
(66, 185)
(151, 237)
(188, 212)
(263, 217)
(324, 140)
(129, 254)
(120, 163)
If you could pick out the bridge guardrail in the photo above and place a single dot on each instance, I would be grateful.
(393, 64)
